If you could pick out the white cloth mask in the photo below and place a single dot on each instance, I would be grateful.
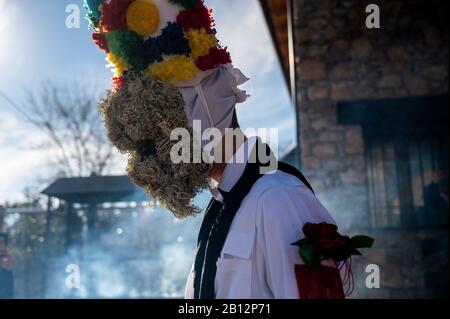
(212, 98)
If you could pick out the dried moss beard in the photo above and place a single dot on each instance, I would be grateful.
(139, 118)
(173, 185)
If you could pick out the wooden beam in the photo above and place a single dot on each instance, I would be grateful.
(275, 14)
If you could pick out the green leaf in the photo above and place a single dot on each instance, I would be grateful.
(301, 242)
(307, 253)
(361, 241)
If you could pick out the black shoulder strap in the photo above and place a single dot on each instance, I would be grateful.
(289, 169)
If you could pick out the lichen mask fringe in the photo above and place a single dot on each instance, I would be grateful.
(139, 117)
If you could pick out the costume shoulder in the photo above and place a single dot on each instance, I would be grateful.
(283, 196)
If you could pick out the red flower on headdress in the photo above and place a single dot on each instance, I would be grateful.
(114, 15)
(100, 40)
(215, 58)
(197, 17)
(118, 83)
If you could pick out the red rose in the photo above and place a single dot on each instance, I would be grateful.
(320, 231)
(338, 248)
(327, 242)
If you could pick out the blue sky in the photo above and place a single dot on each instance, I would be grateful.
(35, 45)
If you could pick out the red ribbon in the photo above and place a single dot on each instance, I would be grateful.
(320, 282)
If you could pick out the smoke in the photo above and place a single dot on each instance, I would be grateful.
(177, 260)
(349, 215)
(145, 254)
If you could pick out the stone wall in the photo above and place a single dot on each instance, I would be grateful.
(339, 59)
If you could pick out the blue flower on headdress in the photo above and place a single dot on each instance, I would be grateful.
(93, 6)
(170, 42)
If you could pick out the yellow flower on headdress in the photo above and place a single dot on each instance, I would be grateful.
(201, 42)
(174, 69)
(143, 17)
(118, 64)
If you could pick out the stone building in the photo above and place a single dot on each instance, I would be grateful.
(372, 113)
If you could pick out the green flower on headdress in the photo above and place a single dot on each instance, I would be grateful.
(125, 44)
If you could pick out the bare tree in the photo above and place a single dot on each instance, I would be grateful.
(69, 117)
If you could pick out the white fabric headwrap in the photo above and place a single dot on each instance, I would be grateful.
(211, 98)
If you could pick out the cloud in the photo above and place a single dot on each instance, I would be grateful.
(18, 161)
(17, 168)
(8, 16)
(7, 12)
(241, 27)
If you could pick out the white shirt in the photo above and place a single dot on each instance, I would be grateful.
(257, 259)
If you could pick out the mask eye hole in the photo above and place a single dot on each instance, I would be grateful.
(146, 148)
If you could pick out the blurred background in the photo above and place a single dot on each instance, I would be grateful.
(363, 112)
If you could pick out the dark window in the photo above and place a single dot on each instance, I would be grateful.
(406, 148)
(407, 181)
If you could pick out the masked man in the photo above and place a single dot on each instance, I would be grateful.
(171, 73)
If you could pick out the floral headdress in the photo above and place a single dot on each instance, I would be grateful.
(156, 49)
(171, 40)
